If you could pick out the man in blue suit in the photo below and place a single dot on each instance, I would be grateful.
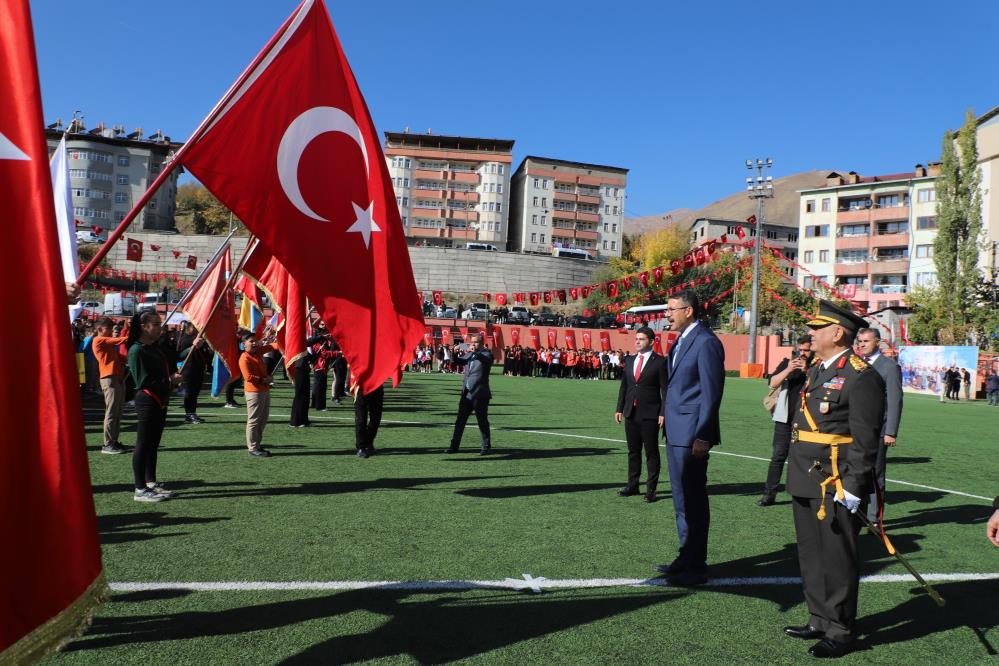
(696, 367)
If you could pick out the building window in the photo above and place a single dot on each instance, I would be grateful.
(772, 235)
(544, 183)
(123, 160)
(823, 256)
(606, 209)
(605, 245)
(810, 205)
(792, 238)
(499, 207)
(926, 279)
(544, 202)
(152, 204)
(122, 179)
(606, 227)
(924, 251)
(119, 216)
(926, 195)
(928, 222)
(534, 219)
(826, 205)
(816, 230)
(534, 238)
(888, 201)
(614, 210)
(544, 220)
(542, 239)
(809, 256)
(730, 229)
(850, 256)
(614, 228)
(613, 245)
(121, 197)
(535, 202)
(537, 184)
(500, 169)
(900, 227)
(499, 188)
(405, 221)
(848, 230)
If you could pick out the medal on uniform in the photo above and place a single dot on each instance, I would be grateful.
(794, 434)
(823, 407)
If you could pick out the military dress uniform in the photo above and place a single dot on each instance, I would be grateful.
(838, 427)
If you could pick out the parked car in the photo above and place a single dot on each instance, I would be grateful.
(607, 321)
(477, 311)
(519, 315)
(88, 237)
(148, 302)
(118, 305)
(548, 319)
(579, 321)
(448, 313)
(482, 246)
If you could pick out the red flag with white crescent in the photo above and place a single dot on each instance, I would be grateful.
(133, 250)
(574, 293)
(587, 340)
(570, 339)
(605, 341)
(501, 299)
(51, 579)
(446, 336)
(217, 325)
(552, 337)
(515, 336)
(287, 297)
(535, 338)
(313, 179)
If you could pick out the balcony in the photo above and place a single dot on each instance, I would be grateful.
(853, 216)
(466, 215)
(587, 217)
(854, 268)
(852, 242)
(890, 240)
(465, 177)
(566, 215)
(564, 196)
(459, 232)
(469, 197)
(559, 232)
(584, 234)
(888, 289)
(588, 199)
(890, 213)
(428, 193)
(429, 174)
(419, 211)
(426, 232)
(889, 266)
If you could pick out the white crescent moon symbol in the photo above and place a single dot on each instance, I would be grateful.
(317, 120)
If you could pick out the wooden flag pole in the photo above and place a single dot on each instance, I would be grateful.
(172, 163)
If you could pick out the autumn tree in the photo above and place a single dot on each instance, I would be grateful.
(199, 212)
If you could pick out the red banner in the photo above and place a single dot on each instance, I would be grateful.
(428, 337)
(438, 298)
(134, 250)
(498, 338)
(552, 337)
(501, 299)
(446, 336)
(605, 340)
(515, 336)
(657, 344)
(535, 298)
(548, 296)
(587, 340)
(570, 339)
(574, 293)
(192, 262)
(535, 338)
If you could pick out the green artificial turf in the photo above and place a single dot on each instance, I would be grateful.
(542, 504)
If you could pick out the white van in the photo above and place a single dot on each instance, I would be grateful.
(482, 246)
(149, 301)
(571, 253)
(118, 305)
(85, 237)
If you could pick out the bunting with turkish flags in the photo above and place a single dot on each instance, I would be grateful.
(217, 325)
(535, 298)
(192, 262)
(50, 567)
(561, 296)
(313, 179)
(287, 297)
(548, 296)
(657, 274)
(428, 337)
(446, 336)
(133, 249)
(574, 293)
(519, 297)
(643, 279)
(438, 298)
(501, 299)
(612, 289)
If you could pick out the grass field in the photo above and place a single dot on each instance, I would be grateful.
(544, 504)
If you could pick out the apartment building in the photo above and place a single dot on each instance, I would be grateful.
(558, 204)
(871, 236)
(779, 236)
(451, 190)
(988, 162)
(109, 170)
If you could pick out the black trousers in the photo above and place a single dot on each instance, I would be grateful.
(880, 468)
(339, 379)
(642, 434)
(230, 390)
(466, 406)
(367, 418)
(150, 421)
(192, 389)
(300, 403)
(830, 567)
(781, 443)
(319, 382)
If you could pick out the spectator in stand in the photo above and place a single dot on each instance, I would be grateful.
(197, 357)
(154, 378)
(112, 376)
(257, 393)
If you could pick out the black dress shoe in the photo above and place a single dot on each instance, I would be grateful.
(827, 648)
(627, 492)
(485, 450)
(807, 632)
(766, 500)
(673, 568)
(362, 453)
(650, 497)
(260, 453)
(687, 579)
(453, 449)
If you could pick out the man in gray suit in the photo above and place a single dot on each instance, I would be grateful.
(475, 394)
(868, 345)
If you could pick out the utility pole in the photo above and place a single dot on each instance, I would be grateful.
(761, 188)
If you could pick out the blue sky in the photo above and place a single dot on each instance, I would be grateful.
(681, 93)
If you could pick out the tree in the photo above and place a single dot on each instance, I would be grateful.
(959, 231)
(660, 247)
(199, 212)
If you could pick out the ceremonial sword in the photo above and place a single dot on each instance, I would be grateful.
(817, 466)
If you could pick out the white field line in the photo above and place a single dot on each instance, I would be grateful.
(525, 583)
(606, 439)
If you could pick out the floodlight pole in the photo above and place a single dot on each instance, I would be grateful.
(760, 189)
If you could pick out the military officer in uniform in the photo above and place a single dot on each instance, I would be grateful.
(838, 425)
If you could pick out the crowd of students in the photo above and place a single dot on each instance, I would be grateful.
(562, 363)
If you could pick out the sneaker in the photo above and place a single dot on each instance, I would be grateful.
(193, 419)
(362, 453)
(147, 495)
(260, 453)
(114, 449)
(230, 405)
(160, 490)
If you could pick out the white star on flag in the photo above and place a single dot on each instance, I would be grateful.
(8, 151)
(365, 223)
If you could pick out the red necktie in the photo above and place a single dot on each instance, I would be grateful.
(638, 367)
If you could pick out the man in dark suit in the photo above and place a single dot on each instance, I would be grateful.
(837, 427)
(639, 405)
(696, 379)
(475, 394)
(868, 345)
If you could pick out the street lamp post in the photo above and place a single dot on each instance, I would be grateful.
(760, 188)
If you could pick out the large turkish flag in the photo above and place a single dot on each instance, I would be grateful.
(50, 562)
(294, 154)
(217, 325)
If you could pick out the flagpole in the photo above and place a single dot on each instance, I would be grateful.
(230, 283)
(172, 163)
(198, 280)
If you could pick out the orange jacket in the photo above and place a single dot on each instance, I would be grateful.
(255, 377)
(110, 362)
